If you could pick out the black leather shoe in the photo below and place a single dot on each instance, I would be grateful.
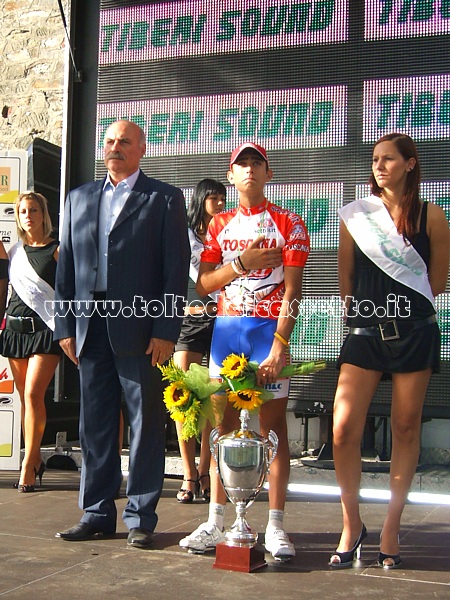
(81, 532)
(140, 538)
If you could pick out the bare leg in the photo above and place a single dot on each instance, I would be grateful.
(210, 533)
(19, 372)
(204, 462)
(408, 395)
(33, 376)
(229, 423)
(187, 452)
(273, 416)
(354, 393)
(184, 359)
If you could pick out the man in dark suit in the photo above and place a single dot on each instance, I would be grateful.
(125, 251)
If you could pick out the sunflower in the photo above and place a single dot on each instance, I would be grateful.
(175, 395)
(249, 399)
(234, 365)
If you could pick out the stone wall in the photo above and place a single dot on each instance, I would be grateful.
(32, 53)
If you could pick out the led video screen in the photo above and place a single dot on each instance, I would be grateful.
(316, 82)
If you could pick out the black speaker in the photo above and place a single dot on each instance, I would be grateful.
(44, 175)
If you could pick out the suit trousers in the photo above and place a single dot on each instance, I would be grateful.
(103, 377)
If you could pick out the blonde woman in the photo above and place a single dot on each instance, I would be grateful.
(27, 340)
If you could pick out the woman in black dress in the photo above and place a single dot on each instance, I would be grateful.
(208, 199)
(393, 261)
(27, 340)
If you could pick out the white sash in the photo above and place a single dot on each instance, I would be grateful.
(194, 266)
(373, 229)
(31, 288)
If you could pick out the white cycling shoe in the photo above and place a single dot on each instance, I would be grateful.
(204, 538)
(279, 545)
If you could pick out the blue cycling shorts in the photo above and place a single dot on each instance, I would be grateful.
(251, 336)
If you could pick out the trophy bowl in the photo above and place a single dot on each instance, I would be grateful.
(243, 459)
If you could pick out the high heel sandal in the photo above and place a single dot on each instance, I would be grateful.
(206, 493)
(186, 496)
(40, 472)
(382, 557)
(345, 559)
(397, 561)
(26, 488)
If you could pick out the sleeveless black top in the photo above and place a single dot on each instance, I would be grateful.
(42, 261)
(414, 351)
(22, 345)
(374, 285)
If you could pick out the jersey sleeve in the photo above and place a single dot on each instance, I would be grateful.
(212, 252)
(297, 246)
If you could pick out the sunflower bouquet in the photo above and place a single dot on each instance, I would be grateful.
(188, 397)
(239, 376)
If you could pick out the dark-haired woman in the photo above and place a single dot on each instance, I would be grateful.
(393, 261)
(208, 199)
(27, 340)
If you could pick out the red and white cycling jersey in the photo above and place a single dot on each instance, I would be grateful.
(260, 292)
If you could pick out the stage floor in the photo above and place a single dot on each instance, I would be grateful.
(35, 564)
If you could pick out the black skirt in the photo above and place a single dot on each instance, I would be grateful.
(416, 351)
(22, 345)
(196, 334)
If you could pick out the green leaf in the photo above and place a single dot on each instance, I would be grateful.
(302, 368)
(198, 381)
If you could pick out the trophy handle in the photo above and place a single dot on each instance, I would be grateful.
(213, 445)
(273, 439)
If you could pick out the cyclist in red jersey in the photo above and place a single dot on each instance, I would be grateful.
(255, 254)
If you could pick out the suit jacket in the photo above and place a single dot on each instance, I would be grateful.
(148, 262)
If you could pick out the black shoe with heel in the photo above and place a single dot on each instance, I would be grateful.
(26, 488)
(186, 496)
(388, 561)
(384, 561)
(40, 472)
(206, 493)
(344, 560)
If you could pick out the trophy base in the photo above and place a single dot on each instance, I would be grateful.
(241, 538)
(239, 558)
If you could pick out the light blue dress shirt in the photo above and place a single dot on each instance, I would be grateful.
(111, 203)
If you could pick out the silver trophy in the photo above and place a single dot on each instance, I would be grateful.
(243, 459)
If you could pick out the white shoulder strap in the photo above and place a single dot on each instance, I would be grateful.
(31, 288)
(372, 228)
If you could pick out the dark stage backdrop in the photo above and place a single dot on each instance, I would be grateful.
(316, 82)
